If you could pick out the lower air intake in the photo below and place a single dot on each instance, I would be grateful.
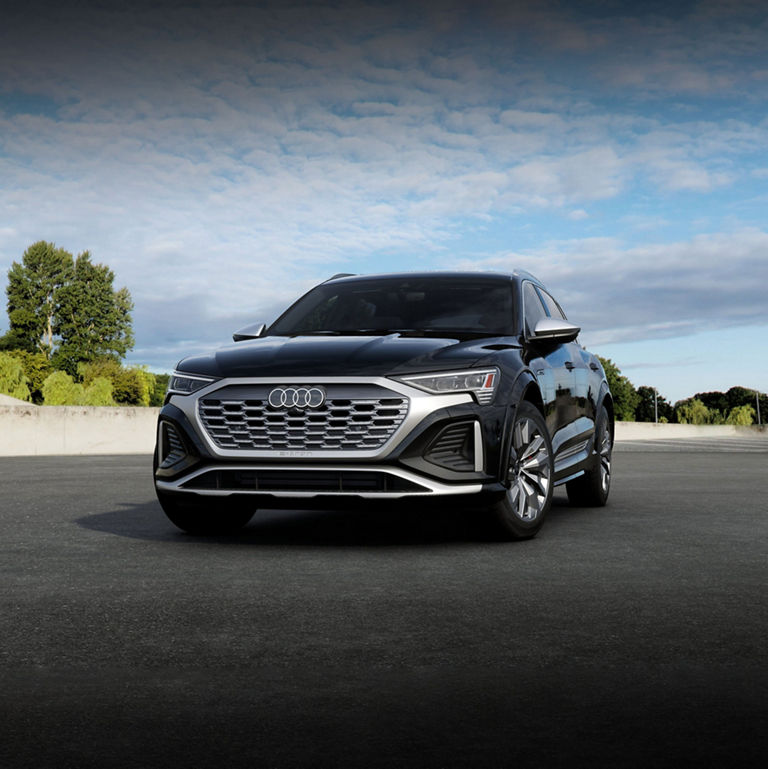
(328, 481)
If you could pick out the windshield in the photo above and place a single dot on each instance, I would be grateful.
(418, 306)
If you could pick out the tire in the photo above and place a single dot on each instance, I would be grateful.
(204, 518)
(592, 488)
(530, 468)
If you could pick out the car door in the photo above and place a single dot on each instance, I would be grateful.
(563, 381)
(583, 379)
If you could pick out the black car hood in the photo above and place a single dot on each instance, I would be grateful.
(310, 356)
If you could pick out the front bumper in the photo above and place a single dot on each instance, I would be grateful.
(446, 446)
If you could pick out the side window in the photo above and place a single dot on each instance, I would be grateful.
(553, 308)
(533, 308)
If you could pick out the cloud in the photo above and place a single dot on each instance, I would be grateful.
(618, 293)
(223, 157)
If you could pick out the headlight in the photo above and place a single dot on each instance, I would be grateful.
(184, 384)
(481, 382)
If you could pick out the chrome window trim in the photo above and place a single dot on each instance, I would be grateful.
(420, 405)
(435, 488)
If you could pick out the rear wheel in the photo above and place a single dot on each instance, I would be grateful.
(202, 517)
(520, 514)
(592, 488)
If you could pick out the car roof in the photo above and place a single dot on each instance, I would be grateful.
(456, 274)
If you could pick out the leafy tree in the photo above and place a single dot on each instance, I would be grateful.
(693, 412)
(12, 379)
(98, 393)
(130, 386)
(741, 415)
(59, 389)
(36, 367)
(161, 385)
(32, 292)
(625, 397)
(646, 409)
(93, 320)
(140, 383)
(726, 402)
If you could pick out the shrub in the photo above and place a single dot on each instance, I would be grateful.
(741, 415)
(694, 412)
(98, 393)
(13, 382)
(59, 389)
(37, 368)
(130, 386)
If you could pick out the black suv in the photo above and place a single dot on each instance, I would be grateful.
(464, 387)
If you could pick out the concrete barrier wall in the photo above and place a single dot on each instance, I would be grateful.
(647, 431)
(31, 430)
(27, 430)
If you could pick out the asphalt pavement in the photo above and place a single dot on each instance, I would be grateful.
(628, 636)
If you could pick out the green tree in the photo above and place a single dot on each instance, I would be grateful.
(32, 292)
(36, 367)
(646, 409)
(741, 415)
(59, 389)
(693, 412)
(725, 402)
(98, 393)
(131, 386)
(625, 397)
(93, 320)
(12, 379)
(158, 393)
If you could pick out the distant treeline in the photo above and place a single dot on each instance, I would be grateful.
(70, 330)
(737, 406)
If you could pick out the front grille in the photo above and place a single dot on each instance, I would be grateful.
(351, 419)
(328, 481)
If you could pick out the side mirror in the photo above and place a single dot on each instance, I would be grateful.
(555, 330)
(254, 331)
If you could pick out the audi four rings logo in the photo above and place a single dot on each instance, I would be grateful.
(296, 397)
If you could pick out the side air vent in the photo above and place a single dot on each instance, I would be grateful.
(453, 448)
(172, 446)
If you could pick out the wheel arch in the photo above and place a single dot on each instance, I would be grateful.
(524, 389)
(606, 399)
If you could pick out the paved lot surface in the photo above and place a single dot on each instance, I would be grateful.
(629, 636)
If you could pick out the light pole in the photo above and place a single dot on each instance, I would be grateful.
(656, 405)
(757, 401)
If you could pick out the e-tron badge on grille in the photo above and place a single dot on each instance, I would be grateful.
(297, 397)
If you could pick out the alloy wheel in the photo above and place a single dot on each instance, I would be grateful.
(605, 447)
(529, 473)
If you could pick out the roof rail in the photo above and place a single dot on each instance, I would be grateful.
(341, 275)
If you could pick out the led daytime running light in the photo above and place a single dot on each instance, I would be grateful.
(184, 384)
(481, 382)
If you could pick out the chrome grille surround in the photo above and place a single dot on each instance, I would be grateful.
(351, 419)
(421, 404)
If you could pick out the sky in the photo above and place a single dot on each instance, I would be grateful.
(224, 157)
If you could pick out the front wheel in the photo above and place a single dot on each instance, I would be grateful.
(201, 517)
(520, 514)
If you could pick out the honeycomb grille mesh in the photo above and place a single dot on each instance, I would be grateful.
(339, 424)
